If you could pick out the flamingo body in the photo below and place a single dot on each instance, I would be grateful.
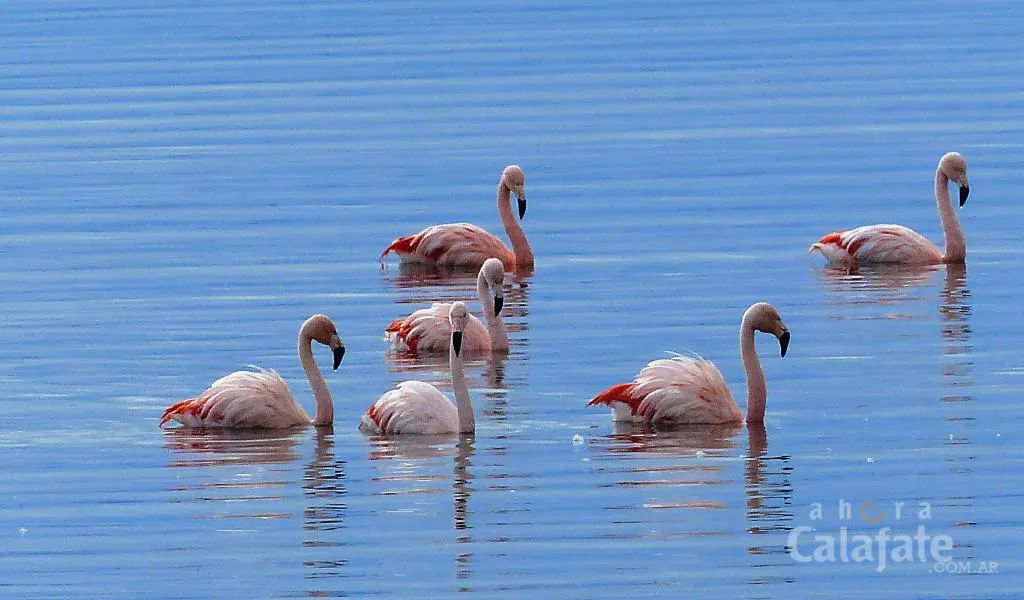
(261, 398)
(416, 407)
(885, 243)
(465, 245)
(681, 389)
(413, 407)
(685, 390)
(241, 399)
(451, 245)
(889, 243)
(429, 330)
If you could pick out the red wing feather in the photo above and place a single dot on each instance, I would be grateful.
(621, 392)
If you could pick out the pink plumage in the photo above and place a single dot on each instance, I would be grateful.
(416, 407)
(889, 243)
(691, 390)
(413, 407)
(241, 399)
(429, 329)
(681, 389)
(883, 243)
(466, 245)
(261, 398)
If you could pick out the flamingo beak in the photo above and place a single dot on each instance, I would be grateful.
(965, 190)
(521, 201)
(784, 342)
(498, 303)
(457, 341)
(339, 353)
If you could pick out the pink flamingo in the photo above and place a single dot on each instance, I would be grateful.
(466, 245)
(429, 329)
(690, 390)
(261, 398)
(418, 407)
(898, 244)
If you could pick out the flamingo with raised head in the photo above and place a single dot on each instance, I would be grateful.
(261, 398)
(415, 407)
(898, 244)
(690, 390)
(429, 329)
(466, 245)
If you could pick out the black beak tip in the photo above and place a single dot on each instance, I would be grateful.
(784, 342)
(499, 302)
(339, 353)
(964, 192)
(457, 342)
(522, 207)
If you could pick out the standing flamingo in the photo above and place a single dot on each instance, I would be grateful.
(429, 329)
(899, 244)
(690, 390)
(466, 245)
(418, 407)
(261, 398)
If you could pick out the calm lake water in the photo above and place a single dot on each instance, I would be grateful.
(183, 183)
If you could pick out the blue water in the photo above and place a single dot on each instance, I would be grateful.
(184, 183)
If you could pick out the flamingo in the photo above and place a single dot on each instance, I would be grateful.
(898, 244)
(429, 329)
(685, 390)
(466, 245)
(416, 407)
(260, 398)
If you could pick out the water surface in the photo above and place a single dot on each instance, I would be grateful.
(184, 183)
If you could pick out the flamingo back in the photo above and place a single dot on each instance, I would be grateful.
(429, 330)
(413, 407)
(259, 398)
(884, 243)
(681, 389)
(452, 244)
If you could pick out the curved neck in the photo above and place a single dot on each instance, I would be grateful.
(520, 247)
(322, 396)
(467, 422)
(756, 392)
(956, 245)
(495, 325)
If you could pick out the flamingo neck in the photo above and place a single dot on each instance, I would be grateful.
(520, 246)
(322, 395)
(495, 324)
(463, 404)
(757, 393)
(956, 245)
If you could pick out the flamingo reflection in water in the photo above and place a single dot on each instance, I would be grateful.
(695, 460)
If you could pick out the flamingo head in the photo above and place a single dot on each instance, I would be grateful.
(514, 179)
(493, 272)
(459, 316)
(953, 165)
(764, 318)
(321, 328)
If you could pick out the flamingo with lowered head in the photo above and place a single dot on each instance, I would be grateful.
(429, 329)
(466, 245)
(690, 390)
(898, 244)
(416, 407)
(246, 399)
